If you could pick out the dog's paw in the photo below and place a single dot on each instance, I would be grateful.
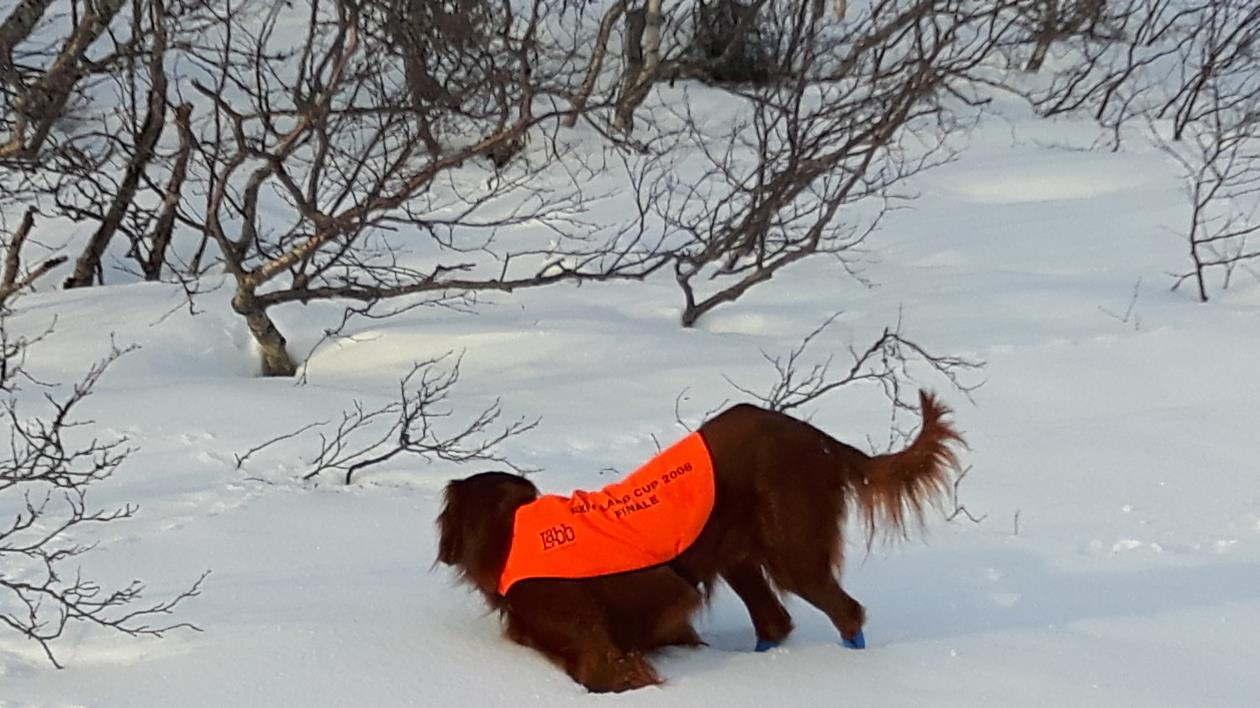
(616, 672)
(857, 641)
(764, 645)
(636, 672)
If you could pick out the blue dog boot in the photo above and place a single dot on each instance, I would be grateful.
(857, 641)
(765, 645)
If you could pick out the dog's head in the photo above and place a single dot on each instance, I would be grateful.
(475, 526)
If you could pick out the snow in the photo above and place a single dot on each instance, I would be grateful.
(1114, 456)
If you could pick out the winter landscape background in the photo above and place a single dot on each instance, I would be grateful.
(1111, 419)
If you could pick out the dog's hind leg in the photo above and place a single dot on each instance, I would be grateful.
(769, 617)
(809, 573)
(823, 591)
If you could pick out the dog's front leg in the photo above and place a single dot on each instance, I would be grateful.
(575, 635)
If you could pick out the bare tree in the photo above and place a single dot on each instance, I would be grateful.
(1219, 154)
(818, 153)
(327, 183)
(716, 41)
(1127, 59)
(42, 101)
(642, 60)
(448, 53)
(19, 24)
(1187, 69)
(1106, 71)
(728, 44)
(1216, 70)
(44, 483)
(88, 264)
(87, 125)
(1051, 21)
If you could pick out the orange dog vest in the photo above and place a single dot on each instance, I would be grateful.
(648, 518)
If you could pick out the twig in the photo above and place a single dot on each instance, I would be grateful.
(961, 509)
(11, 281)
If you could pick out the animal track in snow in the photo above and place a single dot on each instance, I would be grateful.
(1126, 544)
(196, 438)
(1005, 599)
(1223, 544)
(1001, 598)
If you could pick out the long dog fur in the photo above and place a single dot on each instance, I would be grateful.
(782, 491)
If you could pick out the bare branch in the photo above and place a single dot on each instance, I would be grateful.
(412, 424)
(13, 280)
(47, 479)
(885, 362)
(959, 508)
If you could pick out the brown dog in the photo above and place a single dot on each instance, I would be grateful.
(781, 490)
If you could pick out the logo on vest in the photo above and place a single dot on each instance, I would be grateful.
(557, 536)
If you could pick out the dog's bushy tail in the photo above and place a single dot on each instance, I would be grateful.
(895, 487)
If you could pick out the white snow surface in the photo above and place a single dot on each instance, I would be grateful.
(1118, 565)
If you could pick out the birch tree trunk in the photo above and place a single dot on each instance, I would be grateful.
(643, 57)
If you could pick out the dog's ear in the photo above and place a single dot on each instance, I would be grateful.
(450, 526)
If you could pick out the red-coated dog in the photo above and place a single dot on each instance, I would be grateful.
(781, 489)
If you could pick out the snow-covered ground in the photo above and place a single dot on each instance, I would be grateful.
(1115, 458)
